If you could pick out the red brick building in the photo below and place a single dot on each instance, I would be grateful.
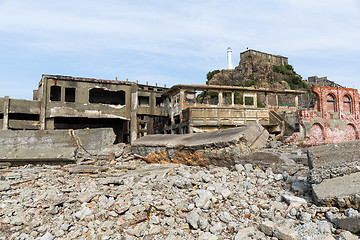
(335, 117)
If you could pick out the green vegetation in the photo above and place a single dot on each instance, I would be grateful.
(294, 80)
(206, 95)
(248, 83)
(210, 75)
(238, 98)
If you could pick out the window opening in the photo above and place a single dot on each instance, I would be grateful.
(331, 103)
(99, 95)
(249, 101)
(69, 94)
(55, 93)
(347, 104)
(160, 102)
(144, 101)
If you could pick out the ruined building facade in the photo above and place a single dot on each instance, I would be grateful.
(134, 110)
(335, 117)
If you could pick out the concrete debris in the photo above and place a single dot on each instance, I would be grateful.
(333, 160)
(117, 198)
(220, 148)
(54, 145)
(335, 174)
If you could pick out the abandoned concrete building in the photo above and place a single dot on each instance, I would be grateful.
(322, 81)
(134, 110)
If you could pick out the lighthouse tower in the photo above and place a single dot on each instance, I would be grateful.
(229, 51)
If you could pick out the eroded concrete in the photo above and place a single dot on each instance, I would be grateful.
(220, 148)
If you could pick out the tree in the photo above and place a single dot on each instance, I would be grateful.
(210, 75)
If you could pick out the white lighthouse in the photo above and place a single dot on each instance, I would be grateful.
(229, 51)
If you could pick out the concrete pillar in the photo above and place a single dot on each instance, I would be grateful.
(255, 100)
(50, 124)
(266, 99)
(43, 103)
(220, 99)
(182, 97)
(296, 101)
(133, 113)
(232, 99)
(277, 100)
(6, 113)
(172, 99)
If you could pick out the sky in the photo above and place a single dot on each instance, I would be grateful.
(172, 42)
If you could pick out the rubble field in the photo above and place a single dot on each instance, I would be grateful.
(124, 197)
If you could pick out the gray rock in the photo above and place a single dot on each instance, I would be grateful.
(193, 219)
(84, 212)
(203, 199)
(225, 217)
(239, 167)
(244, 233)
(4, 186)
(293, 199)
(216, 228)
(347, 236)
(350, 212)
(268, 227)
(208, 236)
(85, 197)
(248, 167)
(351, 224)
(47, 236)
(285, 233)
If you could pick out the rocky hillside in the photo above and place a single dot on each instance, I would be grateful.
(259, 70)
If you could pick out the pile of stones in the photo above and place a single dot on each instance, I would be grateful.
(131, 199)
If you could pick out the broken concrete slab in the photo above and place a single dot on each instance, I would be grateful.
(333, 160)
(105, 137)
(340, 191)
(335, 174)
(67, 154)
(264, 159)
(87, 169)
(220, 148)
(52, 145)
(351, 224)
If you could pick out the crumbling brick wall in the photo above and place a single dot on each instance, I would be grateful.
(335, 117)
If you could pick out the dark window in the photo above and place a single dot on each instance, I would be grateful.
(160, 102)
(99, 95)
(55, 93)
(24, 116)
(144, 101)
(69, 94)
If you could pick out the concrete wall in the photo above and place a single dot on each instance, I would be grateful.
(82, 106)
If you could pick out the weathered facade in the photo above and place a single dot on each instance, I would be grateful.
(335, 117)
(198, 108)
(63, 102)
(135, 110)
